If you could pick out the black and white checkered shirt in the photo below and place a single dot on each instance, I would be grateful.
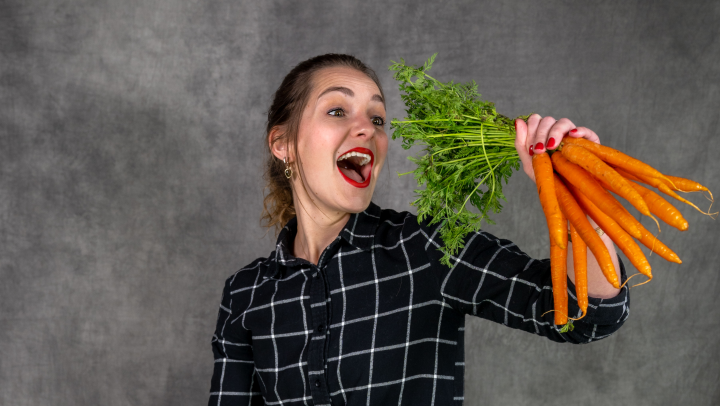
(379, 320)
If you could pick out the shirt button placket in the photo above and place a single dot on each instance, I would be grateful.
(316, 354)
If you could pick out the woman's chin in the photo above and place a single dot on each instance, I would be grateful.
(357, 200)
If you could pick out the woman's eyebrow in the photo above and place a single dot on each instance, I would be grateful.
(349, 92)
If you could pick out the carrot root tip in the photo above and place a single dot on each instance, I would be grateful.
(634, 275)
(656, 223)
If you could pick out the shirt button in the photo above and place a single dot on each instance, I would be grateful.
(317, 383)
(321, 328)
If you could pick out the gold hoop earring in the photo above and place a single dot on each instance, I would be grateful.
(288, 170)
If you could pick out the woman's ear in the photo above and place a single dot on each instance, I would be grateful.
(278, 143)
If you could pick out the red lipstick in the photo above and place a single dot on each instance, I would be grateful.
(366, 183)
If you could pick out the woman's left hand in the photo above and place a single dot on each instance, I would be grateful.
(540, 134)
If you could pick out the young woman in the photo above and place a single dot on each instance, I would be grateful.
(353, 306)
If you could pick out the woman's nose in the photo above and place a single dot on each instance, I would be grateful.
(363, 126)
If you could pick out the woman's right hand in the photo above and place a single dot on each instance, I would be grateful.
(540, 134)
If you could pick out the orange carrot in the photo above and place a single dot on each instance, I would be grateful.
(627, 175)
(542, 166)
(558, 273)
(661, 186)
(579, 220)
(686, 185)
(578, 177)
(619, 236)
(661, 207)
(579, 250)
(586, 159)
(655, 245)
(615, 157)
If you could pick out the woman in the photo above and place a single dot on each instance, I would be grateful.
(353, 306)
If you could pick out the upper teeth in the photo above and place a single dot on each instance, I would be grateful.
(366, 157)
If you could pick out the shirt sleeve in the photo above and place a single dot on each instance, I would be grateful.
(234, 381)
(493, 279)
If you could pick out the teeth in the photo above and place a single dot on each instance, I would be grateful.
(366, 157)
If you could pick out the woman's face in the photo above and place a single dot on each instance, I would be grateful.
(342, 142)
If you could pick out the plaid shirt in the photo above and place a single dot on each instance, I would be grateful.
(379, 320)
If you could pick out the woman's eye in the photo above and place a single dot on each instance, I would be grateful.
(337, 112)
(378, 121)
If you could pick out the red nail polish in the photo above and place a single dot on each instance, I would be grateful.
(551, 142)
(531, 152)
(574, 130)
(539, 145)
(515, 122)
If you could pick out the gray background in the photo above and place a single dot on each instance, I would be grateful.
(131, 142)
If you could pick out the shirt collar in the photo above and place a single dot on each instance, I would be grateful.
(359, 231)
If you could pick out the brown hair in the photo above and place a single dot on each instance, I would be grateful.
(286, 110)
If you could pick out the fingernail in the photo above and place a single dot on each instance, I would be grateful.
(515, 122)
(551, 142)
(539, 145)
(531, 152)
(574, 130)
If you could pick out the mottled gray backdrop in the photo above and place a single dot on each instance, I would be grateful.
(131, 143)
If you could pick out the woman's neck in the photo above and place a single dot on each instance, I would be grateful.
(316, 229)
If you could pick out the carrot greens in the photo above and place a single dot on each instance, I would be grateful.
(469, 150)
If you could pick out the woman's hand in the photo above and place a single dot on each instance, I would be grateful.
(540, 134)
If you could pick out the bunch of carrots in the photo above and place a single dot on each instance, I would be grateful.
(573, 183)
(469, 150)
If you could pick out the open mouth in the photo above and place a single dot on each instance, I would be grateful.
(355, 166)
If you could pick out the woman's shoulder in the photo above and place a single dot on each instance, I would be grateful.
(249, 275)
(392, 220)
(394, 226)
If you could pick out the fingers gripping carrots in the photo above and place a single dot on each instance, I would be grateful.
(457, 151)
(584, 171)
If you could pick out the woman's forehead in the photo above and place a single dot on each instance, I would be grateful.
(340, 76)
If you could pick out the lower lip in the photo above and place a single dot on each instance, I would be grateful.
(355, 183)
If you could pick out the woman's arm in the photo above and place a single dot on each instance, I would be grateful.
(234, 380)
(493, 279)
(539, 135)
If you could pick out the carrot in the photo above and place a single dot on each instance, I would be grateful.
(616, 233)
(579, 178)
(655, 245)
(615, 157)
(686, 185)
(661, 207)
(627, 175)
(542, 166)
(661, 186)
(578, 219)
(579, 250)
(558, 273)
(586, 159)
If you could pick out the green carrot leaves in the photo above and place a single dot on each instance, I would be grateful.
(469, 151)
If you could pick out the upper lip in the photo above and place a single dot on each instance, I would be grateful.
(361, 150)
